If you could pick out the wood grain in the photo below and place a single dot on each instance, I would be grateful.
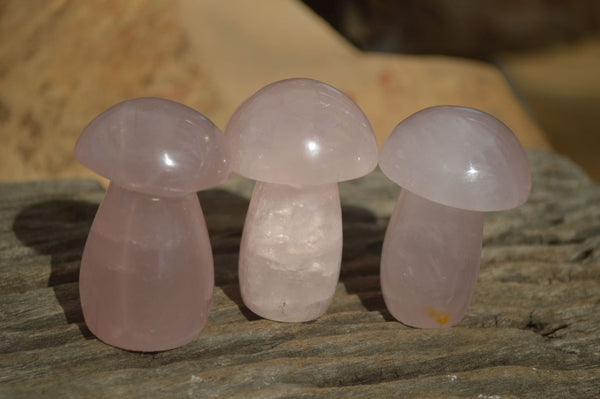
(532, 331)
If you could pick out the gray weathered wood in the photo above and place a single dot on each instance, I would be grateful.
(533, 328)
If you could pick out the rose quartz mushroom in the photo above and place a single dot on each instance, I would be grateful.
(453, 164)
(146, 278)
(298, 138)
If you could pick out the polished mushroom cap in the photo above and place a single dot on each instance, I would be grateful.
(154, 146)
(300, 131)
(458, 157)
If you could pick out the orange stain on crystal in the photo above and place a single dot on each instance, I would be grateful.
(440, 317)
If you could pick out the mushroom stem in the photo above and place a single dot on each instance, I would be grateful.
(146, 278)
(291, 251)
(430, 261)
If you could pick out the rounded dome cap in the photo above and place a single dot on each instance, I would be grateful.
(154, 146)
(300, 131)
(459, 157)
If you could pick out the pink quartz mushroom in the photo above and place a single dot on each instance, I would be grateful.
(453, 164)
(146, 278)
(298, 138)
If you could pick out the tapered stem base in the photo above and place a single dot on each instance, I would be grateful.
(146, 278)
(430, 261)
(291, 251)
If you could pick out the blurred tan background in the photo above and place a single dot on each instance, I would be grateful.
(549, 51)
(64, 61)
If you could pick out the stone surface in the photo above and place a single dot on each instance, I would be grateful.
(531, 331)
(429, 261)
(459, 157)
(291, 251)
(300, 131)
(146, 280)
(155, 146)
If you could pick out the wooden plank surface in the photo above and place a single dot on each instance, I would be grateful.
(532, 331)
(66, 61)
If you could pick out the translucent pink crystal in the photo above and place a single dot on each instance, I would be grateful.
(459, 157)
(291, 251)
(298, 137)
(453, 163)
(154, 146)
(146, 277)
(429, 261)
(301, 131)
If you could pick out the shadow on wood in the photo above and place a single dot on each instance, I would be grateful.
(363, 239)
(225, 213)
(59, 228)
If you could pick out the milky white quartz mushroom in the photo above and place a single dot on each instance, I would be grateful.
(297, 138)
(146, 278)
(453, 164)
